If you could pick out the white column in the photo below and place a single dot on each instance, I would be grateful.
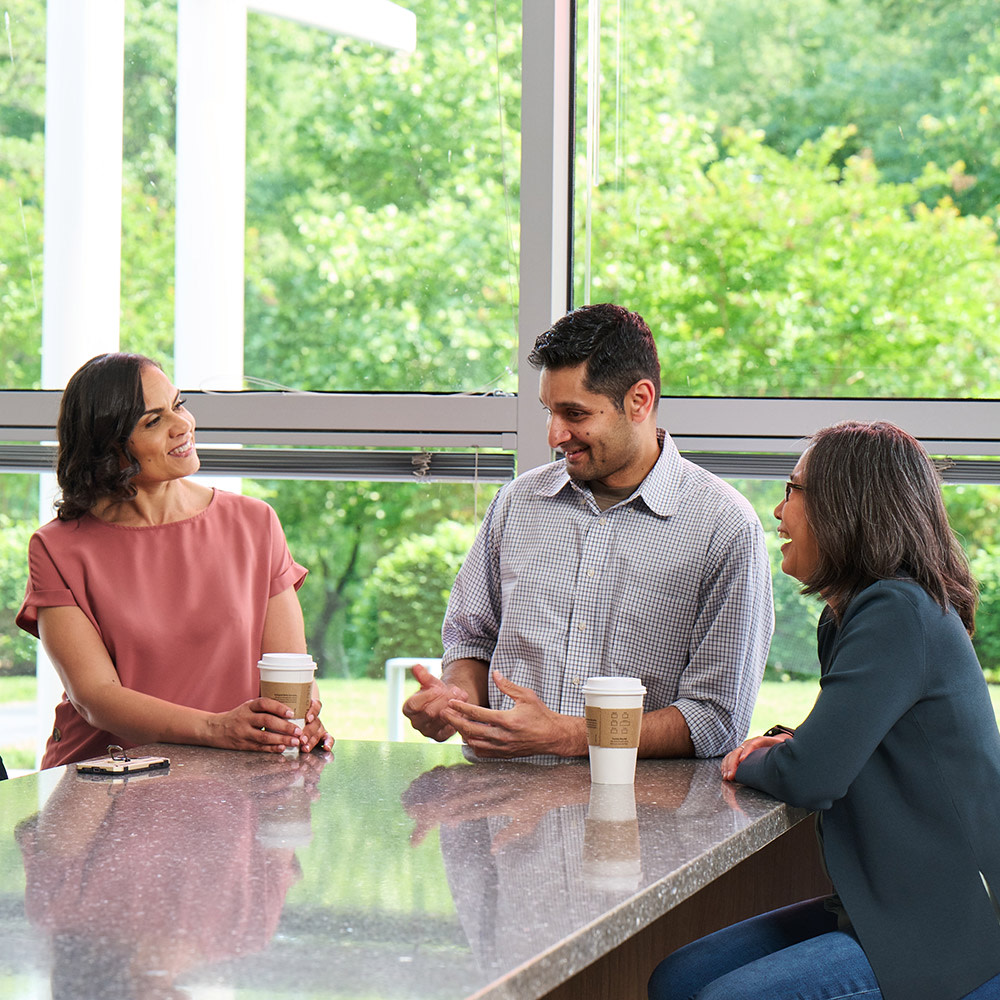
(83, 197)
(83, 184)
(545, 194)
(211, 189)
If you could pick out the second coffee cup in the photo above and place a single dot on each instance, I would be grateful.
(613, 710)
(288, 678)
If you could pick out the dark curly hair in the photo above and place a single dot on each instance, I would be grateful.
(616, 345)
(873, 503)
(101, 405)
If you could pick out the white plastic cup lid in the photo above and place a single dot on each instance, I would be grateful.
(294, 661)
(613, 685)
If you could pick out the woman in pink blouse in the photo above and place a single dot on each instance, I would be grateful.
(154, 595)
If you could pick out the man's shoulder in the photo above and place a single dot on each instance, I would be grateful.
(702, 490)
(544, 480)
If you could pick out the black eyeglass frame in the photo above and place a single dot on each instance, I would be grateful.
(789, 486)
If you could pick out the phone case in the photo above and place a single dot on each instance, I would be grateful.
(115, 765)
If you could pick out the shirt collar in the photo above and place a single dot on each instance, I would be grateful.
(659, 490)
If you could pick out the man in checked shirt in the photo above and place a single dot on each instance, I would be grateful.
(621, 558)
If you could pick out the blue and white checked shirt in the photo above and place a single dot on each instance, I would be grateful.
(672, 586)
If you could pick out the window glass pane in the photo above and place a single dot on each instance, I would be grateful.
(22, 161)
(18, 519)
(148, 179)
(799, 195)
(793, 646)
(382, 558)
(382, 203)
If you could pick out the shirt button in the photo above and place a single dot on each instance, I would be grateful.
(590, 572)
(582, 627)
(576, 682)
(602, 520)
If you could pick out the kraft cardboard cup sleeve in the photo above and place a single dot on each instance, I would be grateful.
(288, 677)
(613, 712)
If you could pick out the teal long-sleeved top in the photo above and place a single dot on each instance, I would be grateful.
(901, 755)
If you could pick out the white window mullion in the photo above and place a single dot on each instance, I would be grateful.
(545, 194)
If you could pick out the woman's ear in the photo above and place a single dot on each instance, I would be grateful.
(125, 459)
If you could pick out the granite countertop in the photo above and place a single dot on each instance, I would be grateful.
(391, 870)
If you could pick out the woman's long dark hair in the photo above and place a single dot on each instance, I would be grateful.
(873, 503)
(101, 405)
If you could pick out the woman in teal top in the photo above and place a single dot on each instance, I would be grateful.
(900, 755)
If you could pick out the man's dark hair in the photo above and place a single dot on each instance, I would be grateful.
(616, 345)
(101, 405)
(873, 503)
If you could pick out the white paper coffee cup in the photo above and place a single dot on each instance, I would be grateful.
(288, 678)
(613, 711)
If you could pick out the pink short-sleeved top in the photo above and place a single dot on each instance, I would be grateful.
(180, 607)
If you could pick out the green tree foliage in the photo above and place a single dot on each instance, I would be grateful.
(340, 531)
(22, 160)
(917, 81)
(404, 599)
(793, 648)
(986, 570)
(380, 191)
(783, 231)
(783, 276)
(17, 648)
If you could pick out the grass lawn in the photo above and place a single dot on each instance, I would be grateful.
(356, 709)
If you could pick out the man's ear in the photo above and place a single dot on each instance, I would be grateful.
(640, 401)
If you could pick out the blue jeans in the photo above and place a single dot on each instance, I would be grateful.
(795, 953)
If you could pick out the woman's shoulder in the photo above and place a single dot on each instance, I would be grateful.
(241, 502)
(902, 603)
(901, 588)
(243, 508)
(57, 532)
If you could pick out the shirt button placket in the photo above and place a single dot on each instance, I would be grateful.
(588, 605)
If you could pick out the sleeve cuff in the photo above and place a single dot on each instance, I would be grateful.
(467, 651)
(708, 735)
(27, 617)
(291, 576)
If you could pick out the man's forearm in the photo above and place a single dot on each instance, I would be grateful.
(665, 733)
(471, 676)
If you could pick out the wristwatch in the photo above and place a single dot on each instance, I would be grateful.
(779, 731)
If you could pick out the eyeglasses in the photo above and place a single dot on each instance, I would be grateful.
(789, 486)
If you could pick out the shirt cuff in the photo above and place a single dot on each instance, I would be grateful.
(467, 651)
(708, 735)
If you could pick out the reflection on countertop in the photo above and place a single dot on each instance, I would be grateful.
(535, 853)
(382, 869)
(138, 879)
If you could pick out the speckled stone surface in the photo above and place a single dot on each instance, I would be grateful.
(383, 870)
